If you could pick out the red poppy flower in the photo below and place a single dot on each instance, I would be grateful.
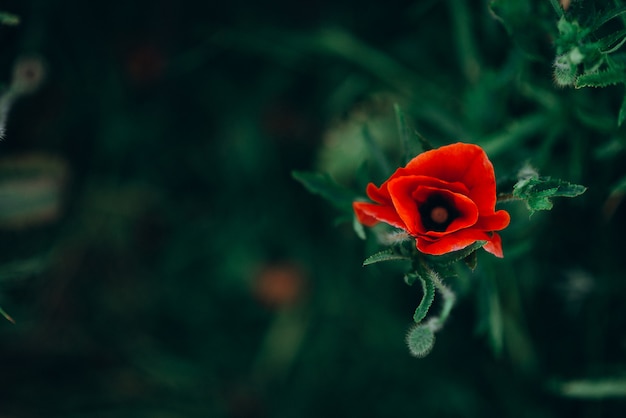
(445, 198)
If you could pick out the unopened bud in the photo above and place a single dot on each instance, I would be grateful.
(565, 71)
(420, 340)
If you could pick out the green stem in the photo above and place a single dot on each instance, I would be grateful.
(405, 136)
(7, 316)
(506, 197)
(449, 300)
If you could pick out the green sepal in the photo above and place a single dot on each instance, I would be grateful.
(325, 186)
(537, 191)
(428, 287)
(471, 261)
(385, 255)
(601, 78)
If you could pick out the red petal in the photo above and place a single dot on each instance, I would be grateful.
(468, 213)
(494, 246)
(451, 242)
(465, 163)
(459, 240)
(495, 222)
(407, 193)
(369, 214)
(378, 194)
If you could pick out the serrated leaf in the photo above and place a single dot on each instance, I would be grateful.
(420, 340)
(385, 255)
(428, 289)
(537, 191)
(601, 78)
(324, 185)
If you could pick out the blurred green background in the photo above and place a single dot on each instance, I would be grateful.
(159, 260)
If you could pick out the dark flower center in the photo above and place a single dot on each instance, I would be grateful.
(437, 213)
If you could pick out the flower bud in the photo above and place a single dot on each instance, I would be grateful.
(420, 340)
(565, 71)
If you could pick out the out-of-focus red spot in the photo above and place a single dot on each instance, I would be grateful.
(279, 285)
(145, 64)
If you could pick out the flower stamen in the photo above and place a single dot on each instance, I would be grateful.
(439, 215)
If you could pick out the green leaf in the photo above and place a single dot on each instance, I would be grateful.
(521, 21)
(611, 14)
(428, 287)
(601, 78)
(537, 191)
(490, 313)
(612, 42)
(325, 186)
(406, 136)
(557, 7)
(376, 152)
(420, 340)
(385, 255)
(425, 143)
